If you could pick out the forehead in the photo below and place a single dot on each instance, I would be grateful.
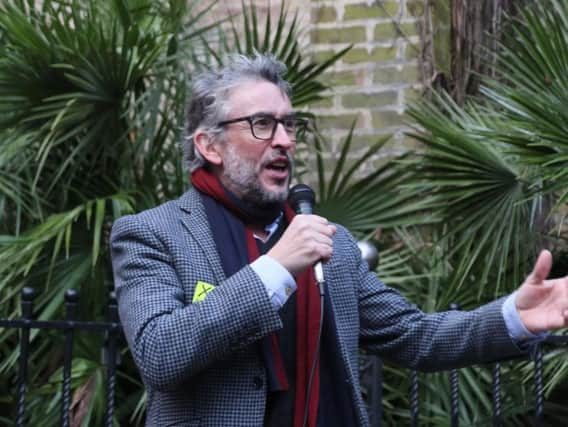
(257, 96)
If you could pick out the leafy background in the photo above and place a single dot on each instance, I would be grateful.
(91, 105)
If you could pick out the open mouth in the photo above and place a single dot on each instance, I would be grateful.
(278, 167)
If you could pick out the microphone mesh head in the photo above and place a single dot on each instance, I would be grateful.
(301, 193)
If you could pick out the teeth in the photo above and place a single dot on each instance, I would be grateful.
(278, 166)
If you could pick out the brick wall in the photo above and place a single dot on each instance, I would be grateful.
(377, 77)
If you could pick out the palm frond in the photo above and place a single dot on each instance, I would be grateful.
(366, 202)
(478, 187)
(533, 93)
(282, 39)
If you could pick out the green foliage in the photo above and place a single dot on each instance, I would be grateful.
(365, 203)
(493, 172)
(91, 97)
(534, 63)
(477, 186)
(86, 90)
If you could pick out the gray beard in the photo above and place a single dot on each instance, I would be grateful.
(241, 177)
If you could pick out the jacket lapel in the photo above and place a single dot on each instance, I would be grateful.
(195, 221)
(344, 320)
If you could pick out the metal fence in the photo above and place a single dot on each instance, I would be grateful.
(112, 331)
(374, 365)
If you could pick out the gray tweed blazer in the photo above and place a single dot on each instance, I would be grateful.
(198, 361)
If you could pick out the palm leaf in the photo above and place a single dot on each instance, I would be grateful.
(370, 201)
(281, 39)
(478, 188)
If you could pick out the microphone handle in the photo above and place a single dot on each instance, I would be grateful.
(307, 208)
(318, 272)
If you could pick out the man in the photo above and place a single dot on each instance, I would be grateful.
(225, 337)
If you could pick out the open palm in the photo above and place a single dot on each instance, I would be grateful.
(543, 304)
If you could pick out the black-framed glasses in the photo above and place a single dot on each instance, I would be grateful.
(263, 126)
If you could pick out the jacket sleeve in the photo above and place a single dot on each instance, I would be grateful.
(399, 331)
(170, 340)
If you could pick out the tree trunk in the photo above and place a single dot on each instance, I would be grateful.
(475, 32)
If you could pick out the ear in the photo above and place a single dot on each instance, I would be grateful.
(207, 148)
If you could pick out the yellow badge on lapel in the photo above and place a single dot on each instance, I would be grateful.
(201, 291)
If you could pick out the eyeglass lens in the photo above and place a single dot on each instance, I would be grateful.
(264, 127)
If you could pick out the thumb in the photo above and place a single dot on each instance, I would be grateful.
(541, 268)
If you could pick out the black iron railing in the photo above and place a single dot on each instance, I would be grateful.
(112, 331)
(374, 366)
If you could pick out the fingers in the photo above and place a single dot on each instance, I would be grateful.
(316, 234)
(313, 225)
(308, 239)
(541, 268)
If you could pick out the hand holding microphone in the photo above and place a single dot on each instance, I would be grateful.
(308, 238)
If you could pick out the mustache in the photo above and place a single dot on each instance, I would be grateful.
(276, 156)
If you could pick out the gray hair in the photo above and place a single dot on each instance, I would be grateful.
(208, 104)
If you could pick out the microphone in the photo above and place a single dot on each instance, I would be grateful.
(302, 199)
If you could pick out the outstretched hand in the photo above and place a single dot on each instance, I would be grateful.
(543, 304)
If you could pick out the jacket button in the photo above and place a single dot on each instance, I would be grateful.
(257, 381)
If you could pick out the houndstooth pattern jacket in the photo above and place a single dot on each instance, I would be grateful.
(198, 361)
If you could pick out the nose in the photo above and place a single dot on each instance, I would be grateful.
(281, 138)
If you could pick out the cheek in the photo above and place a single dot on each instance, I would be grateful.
(248, 153)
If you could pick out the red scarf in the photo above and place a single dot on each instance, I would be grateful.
(308, 309)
